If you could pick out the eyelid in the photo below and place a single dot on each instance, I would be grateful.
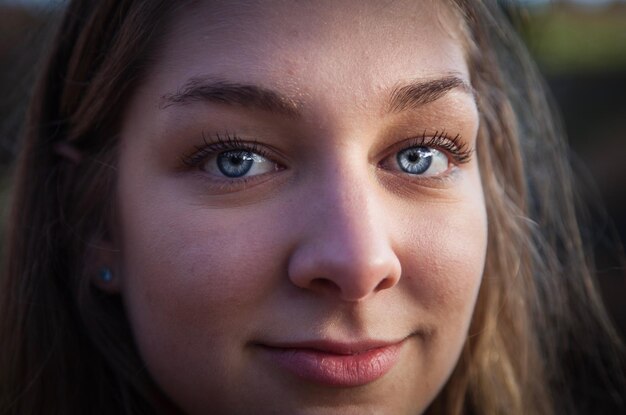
(217, 145)
(407, 186)
(455, 148)
(227, 141)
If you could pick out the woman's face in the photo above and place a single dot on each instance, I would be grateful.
(302, 223)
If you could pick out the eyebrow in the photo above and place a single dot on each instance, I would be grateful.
(231, 93)
(403, 97)
(415, 94)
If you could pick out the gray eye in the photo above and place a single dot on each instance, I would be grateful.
(235, 163)
(238, 163)
(423, 161)
(415, 160)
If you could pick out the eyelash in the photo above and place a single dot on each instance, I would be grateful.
(454, 147)
(218, 145)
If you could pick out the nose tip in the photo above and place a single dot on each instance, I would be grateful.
(349, 263)
(345, 245)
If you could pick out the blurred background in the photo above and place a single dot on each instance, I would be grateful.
(580, 46)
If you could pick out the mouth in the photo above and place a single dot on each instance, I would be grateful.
(335, 364)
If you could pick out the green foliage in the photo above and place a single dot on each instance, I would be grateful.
(573, 42)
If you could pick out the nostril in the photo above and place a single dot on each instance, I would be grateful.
(386, 283)
(324, 284)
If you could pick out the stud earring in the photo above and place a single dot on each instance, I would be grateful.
(106, 275)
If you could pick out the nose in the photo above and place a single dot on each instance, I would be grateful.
(346, 248)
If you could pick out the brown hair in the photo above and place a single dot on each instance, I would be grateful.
(65, 347)
(540, 341)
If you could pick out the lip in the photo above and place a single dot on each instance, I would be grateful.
(335, 363)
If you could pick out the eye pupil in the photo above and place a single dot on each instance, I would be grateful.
(236, 160)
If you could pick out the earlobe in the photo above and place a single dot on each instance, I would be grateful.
(101, 269)
(105, 280)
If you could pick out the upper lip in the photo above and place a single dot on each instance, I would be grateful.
(333, 347)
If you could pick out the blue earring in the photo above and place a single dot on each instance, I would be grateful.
(106, 275)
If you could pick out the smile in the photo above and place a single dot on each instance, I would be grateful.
(335, 364)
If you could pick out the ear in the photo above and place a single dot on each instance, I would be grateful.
(102, 266)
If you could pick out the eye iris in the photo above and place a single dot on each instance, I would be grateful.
(235, 163)
(415, 160)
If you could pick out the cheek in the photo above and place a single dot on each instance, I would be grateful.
(192, 276)
(201, 260)
(193, 281)
(447, 259)
(443, 270)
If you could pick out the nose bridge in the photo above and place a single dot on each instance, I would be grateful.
(346, 249)
(349, 214)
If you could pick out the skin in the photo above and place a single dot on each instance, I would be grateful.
(332, 241)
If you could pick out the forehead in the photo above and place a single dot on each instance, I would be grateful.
(305, 48)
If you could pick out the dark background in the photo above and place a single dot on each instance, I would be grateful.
(580, 46)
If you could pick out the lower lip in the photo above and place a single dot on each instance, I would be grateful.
(339, 370)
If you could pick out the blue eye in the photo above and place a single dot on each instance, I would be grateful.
(238, 163)
(422, 161)
(235, 163)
